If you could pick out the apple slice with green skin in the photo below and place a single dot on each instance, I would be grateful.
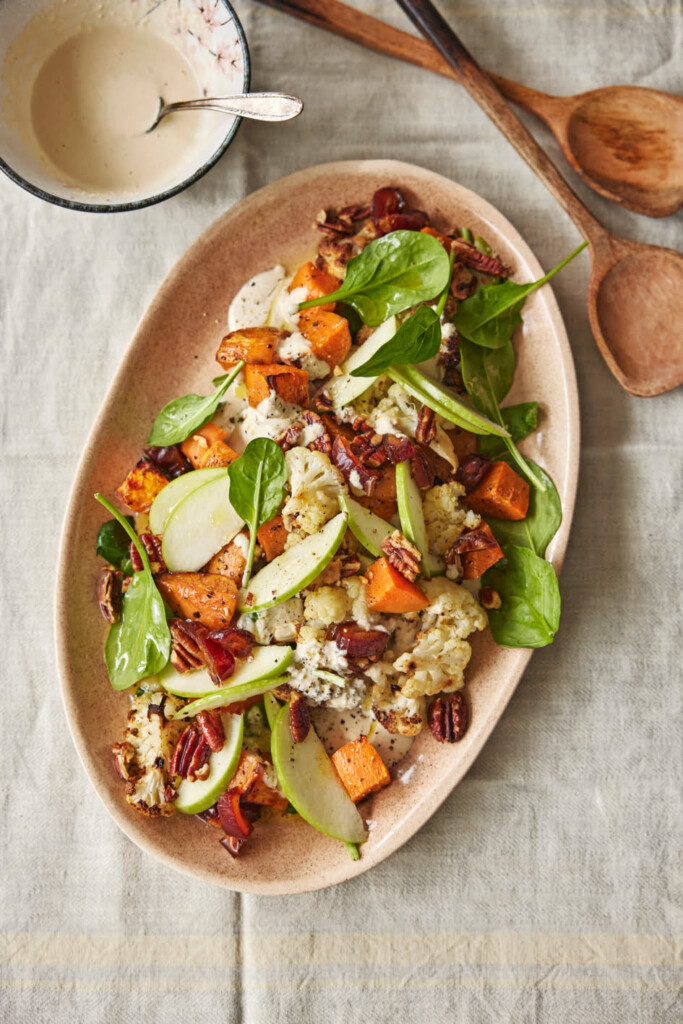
(345, 389)
(264, 663)
(413, 521)
(226, 695)
(310, 782)
(199, 526)
(442, 401)
(294, 569)
(195, 797)
(175, 492)
(272, 706)
(366, 526)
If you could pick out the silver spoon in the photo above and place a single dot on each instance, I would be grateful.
(259, 106)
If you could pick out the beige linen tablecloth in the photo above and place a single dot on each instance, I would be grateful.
(547, 888)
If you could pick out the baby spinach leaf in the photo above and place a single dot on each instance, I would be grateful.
(179, 418)
(139, 644)
(519, 419)
(417, 339)
(489, 317)
(541, 522)
(113, 544)
(530, 612)
(257, 480)
(487, 376)
(393, 273)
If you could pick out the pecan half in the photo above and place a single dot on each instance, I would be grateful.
(423, 468)
(333, 223)
(299, 717)
(109, 594)
(152, 545)
(369, 447)
(454, 563)
(198, 768)
(360, 643)
(448, 718)
(472, 470)
(350, 565)
(473, 540)
(402, 554)
(466, 253)
(426, 425)
(212, 730)
(186, 654)
(352, 468)
(190, 754)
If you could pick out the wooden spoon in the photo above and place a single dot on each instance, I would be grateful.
(626, 142)
(635, 291)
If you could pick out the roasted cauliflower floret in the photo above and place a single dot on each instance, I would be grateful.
(144, 756)
(397, 413)
(366, 403)
(402, 716)
(438, 659)
(437, 662)
(147, 793)
(315, 485)
(444, 518)
(327, 605)
(355, 587)
(453, 606)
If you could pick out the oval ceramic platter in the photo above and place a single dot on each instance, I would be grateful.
(172, 354)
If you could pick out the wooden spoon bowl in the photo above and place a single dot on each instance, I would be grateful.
(635, 296)
(627, 143)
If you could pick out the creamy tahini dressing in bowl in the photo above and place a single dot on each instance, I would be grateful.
(80, 86)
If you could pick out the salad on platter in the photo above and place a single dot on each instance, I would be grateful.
(306, 550)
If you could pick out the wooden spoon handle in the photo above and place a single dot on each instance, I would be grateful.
(352, 24)
(430, 22)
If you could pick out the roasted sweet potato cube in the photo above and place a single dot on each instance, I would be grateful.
(195, 447)
(328, 334)
(316, 282)
(249, 780)
(252, 344)
(502, 494)
(382, 501)
(141, 486)
(389, 591)
(219, 454)
(360, 768)
(207, 597)
(230, 561)
(475, 563)
(272, 537)
(288, 382)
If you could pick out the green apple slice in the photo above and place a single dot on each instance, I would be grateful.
(442, 401)
(199, 526)
(272, 706)
(308, 779)
(345, 389)
(175, 492)
(264, 663)
(195, 797)
(227, 695)
(294, 569)
(413, 521)
(366, 526)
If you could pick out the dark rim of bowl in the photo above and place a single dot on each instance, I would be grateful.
(139, 204)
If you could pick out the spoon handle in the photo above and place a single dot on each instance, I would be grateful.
(258, 106)
(430, 22)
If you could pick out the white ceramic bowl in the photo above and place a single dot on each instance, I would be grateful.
(207, 33)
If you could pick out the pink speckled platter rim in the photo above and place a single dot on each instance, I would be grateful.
(171, 353)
